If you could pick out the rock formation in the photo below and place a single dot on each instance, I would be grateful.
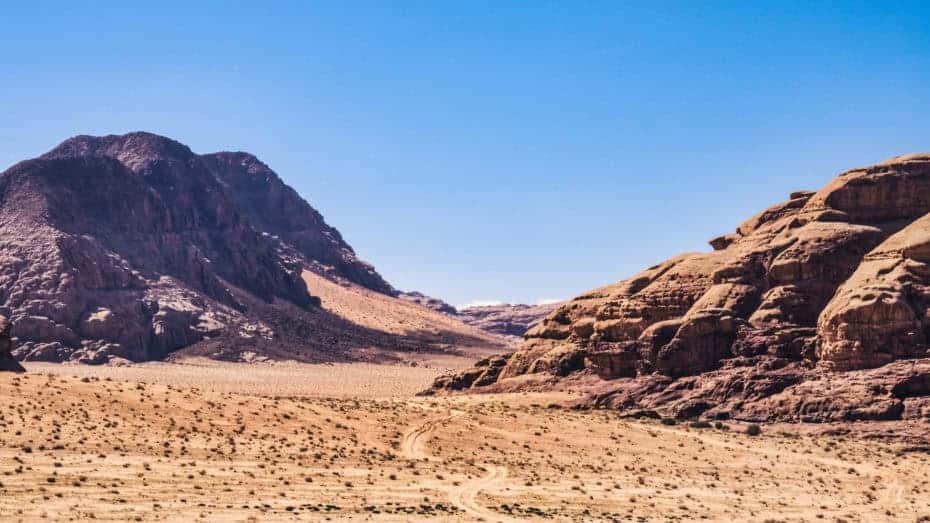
(830, 281)
(134, 247)
(7, 361)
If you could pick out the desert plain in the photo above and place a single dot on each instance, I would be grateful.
(209, 441)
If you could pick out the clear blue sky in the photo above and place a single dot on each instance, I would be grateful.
(491, 150)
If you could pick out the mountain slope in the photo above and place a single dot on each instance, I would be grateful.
(276, 209)
(133, 246)
(830, 281)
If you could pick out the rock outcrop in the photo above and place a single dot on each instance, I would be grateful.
(7, 362)
(880, 314)
(835, 280)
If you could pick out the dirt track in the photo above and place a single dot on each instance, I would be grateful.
(463, 495)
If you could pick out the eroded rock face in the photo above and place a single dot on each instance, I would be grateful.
(133, 247)
(880, 313)
(831, 280)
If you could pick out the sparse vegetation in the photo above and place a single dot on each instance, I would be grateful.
(118, 450)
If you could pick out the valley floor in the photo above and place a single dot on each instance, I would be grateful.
(298, 442)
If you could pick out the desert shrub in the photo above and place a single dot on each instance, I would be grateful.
(753, 430)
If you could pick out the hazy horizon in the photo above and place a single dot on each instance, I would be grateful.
(492, 153)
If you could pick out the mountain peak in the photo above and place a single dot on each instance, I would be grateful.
(136, 247)
(135, 149)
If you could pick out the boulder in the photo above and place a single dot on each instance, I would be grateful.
(7, 362)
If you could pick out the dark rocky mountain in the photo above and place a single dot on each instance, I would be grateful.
(815, 309)
(134, 247)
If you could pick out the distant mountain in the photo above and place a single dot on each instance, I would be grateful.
(429, 302)
(504, 319)
(815, 309)
(133, 246)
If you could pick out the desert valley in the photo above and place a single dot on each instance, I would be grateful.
(187, 339)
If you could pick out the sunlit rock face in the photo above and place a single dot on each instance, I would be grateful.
(833, 280)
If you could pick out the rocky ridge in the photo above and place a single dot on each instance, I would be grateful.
(815, 308)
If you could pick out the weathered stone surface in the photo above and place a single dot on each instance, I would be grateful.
(880, 313)
(126, 246)
(767, 389)
(485, 372)
(613, 361)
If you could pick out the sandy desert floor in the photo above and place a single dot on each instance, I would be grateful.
(142, 443)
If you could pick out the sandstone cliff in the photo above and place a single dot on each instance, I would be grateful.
(829, 281)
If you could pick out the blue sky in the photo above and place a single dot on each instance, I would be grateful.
(476, 151)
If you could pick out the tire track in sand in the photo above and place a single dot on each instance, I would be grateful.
(464, 495)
